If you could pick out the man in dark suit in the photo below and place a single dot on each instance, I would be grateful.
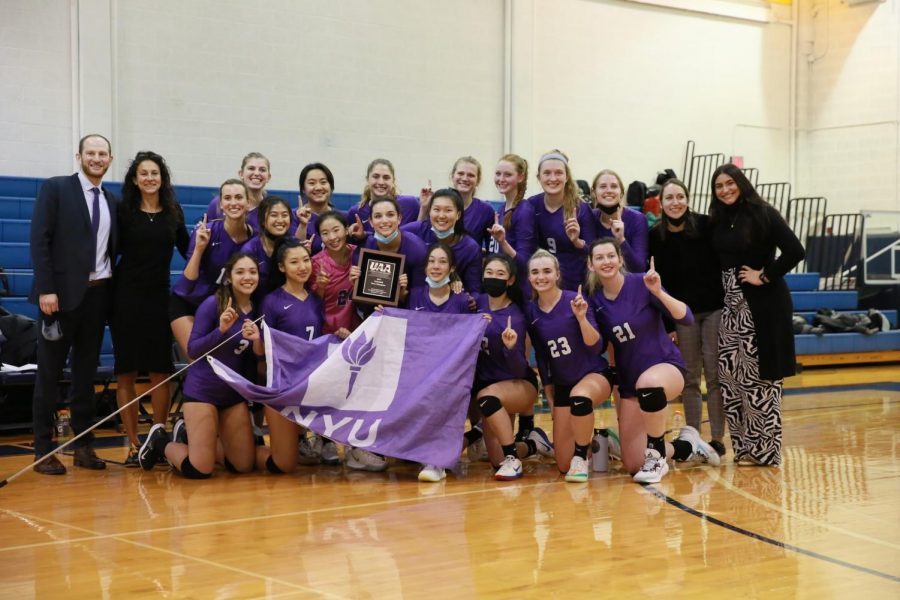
(73, 240)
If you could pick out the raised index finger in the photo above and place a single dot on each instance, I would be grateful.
(204, 219)
(579, 289)
(651, 264)
(509, 321)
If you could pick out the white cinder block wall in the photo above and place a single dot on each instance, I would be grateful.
(615, 83)
(849, 118)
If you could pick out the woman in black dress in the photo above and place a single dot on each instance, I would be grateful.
(151, 225)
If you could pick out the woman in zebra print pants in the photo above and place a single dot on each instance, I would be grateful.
(756, 340)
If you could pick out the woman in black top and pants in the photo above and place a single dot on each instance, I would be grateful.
(681, 247)
(756, 338)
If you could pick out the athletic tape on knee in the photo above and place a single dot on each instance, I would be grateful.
(580, 406)
(272, 467)
(190, 471)
(652, 399)
(488, 405)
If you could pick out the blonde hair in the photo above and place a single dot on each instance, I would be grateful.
(252, 155)
(593, 282)
(601, 174)
(571, 195)
(538, 254)
(521, 166)
(366, 196)
(472, 161)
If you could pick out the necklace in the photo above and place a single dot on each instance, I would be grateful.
(151, 214)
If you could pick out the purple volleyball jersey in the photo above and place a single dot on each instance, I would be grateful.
(496, 362)
(466, 253)
(201, 383)
(285, 312)
(419, 299)
(217, 252)
(478, 217)
(550, 230)
(559, 347)
(412, 248)
(409, 212)
(521, 236)
(633, 322)
(636, 247)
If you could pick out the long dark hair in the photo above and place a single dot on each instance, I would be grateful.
(514, 291)
(225, 291)
(661, 229)
(131, 194)
(265, 207)
(749, 203)
(276, 277)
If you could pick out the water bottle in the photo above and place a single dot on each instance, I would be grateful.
(677, 421)
(63, 426)
(600, 451)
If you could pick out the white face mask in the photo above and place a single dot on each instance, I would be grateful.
(439, 283)
(386, 240)
(442, 235)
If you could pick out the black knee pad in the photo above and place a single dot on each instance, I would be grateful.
(488, 405)
(580, 406)
(652, 399)
(230, 467)
(272, 467)
(190, 471)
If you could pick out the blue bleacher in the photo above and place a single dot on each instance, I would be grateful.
(890, 314)
(846, 343)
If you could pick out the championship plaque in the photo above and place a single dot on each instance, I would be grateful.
(379, 277)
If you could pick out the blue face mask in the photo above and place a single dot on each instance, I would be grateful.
(436, 284)
(386, 240)
(442, 235)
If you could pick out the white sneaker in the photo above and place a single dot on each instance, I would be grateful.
(541, 442)
(477, 451)
(702, 450)
(578, 470)
(363, 460)
(615, 445)
(510, 469)
(432, 473)
(330, 453)
(308, 455)
(654, 469)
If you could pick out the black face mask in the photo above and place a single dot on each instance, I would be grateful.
(678, 221)
(494, 287)
(610, 210)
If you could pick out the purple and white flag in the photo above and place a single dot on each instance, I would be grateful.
(399, 385)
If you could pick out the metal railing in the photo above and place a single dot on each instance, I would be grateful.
(835, 254)
(698, 169)
(806, 217)
(776, 194)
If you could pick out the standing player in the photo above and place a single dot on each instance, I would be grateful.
(564, 225)
(478, 216)
(626, 225)
(275, 222)
(255, 172)
(513, 232)
(574, 374)
(381, 183)
(445, 225)
(211, 245)
(630, 310)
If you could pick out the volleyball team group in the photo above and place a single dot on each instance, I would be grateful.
(609, 307)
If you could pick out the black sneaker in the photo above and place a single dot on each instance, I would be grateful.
(153, 447)
(718, 446)
(179, 432)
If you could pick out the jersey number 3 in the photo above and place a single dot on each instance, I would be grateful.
(559, 347)
(623, 332)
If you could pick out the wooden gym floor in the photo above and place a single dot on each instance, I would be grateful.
(824, 525)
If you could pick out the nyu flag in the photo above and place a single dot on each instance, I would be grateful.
(398, 386)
